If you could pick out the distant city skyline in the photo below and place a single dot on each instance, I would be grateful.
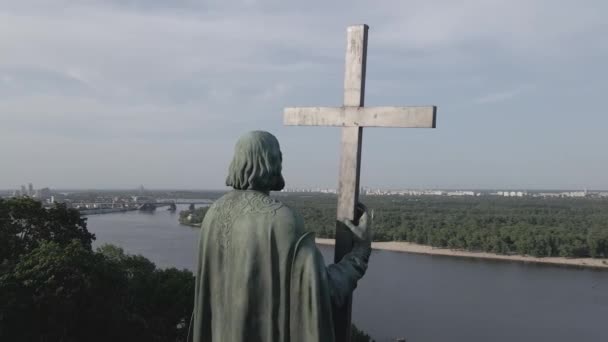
(113, 94)
(142, 189)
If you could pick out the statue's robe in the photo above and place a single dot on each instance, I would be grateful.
(260, 276)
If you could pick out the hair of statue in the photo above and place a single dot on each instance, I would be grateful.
(257, 163)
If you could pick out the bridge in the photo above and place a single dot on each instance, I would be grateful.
(138, 205)
(184, 201)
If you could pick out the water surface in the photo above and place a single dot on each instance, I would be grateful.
(420, 297)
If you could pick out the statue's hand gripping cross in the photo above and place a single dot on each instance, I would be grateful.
(352, 117)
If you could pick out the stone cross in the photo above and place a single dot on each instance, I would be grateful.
(352, 117)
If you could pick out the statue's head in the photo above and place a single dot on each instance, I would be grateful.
(257, 163)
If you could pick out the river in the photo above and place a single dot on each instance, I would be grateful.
(419, 297)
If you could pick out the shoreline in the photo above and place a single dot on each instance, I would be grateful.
(101, 211)
(408, 247)
(195, 225)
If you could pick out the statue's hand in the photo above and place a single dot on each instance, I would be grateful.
(363, 231)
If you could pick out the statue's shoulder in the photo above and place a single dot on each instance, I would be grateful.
(286, 213)
(260, 203)
(221, 202)
(248, 202)
(289, 223)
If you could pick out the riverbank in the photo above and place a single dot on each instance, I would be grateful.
(407, 247)
(99, 211)
(195, 225)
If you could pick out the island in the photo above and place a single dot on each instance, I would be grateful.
(192, 217)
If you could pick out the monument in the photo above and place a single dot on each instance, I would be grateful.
(260, 276)
(352, 117)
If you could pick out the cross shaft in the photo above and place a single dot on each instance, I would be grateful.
(352, 117)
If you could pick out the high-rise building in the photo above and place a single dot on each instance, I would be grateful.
(30, 190)
(23, 190)
(44, 193)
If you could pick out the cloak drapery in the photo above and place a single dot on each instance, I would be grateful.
(260, 276)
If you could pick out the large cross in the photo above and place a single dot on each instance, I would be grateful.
(352, 117)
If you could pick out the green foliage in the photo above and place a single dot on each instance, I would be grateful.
(540, 227)
(357, 335)
(54, 287)
(193, 217)
(163, 299)
(24, 223)
(61, 293)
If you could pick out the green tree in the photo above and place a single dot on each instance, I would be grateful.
(526, 226)
(24, 223)
(598, 242)
(163, 299)
(61, 293)
(357, 335)
(193, 217)
(54, 287)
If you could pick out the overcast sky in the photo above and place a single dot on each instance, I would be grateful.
(118, 93)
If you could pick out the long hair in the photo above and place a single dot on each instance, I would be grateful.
(257, 163)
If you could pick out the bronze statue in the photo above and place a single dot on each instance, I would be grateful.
(260, 276)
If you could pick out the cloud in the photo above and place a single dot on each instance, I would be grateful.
(503, 95)
(170, 72)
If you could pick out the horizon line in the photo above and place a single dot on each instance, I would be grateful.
(287, 189)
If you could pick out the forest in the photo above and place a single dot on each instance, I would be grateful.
(541, 227)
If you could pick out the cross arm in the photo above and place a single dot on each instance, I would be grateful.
(412, 117)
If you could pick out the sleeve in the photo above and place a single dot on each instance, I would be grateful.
(344, 275)
(310, 300)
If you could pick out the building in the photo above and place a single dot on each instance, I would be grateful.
(461, 193)
(44, 193)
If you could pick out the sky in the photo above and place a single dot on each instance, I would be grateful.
(118, 93)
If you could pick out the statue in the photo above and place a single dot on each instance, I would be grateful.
(260, 276)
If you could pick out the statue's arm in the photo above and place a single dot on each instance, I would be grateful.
(344, 275)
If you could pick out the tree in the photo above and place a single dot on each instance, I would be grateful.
(598, 242)
(24, 223)
(61, 293)
(193, 217)
(163, 299)
(541, 227)
(359, 335)
(54, 287)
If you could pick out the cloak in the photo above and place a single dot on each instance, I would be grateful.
(260, 276)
